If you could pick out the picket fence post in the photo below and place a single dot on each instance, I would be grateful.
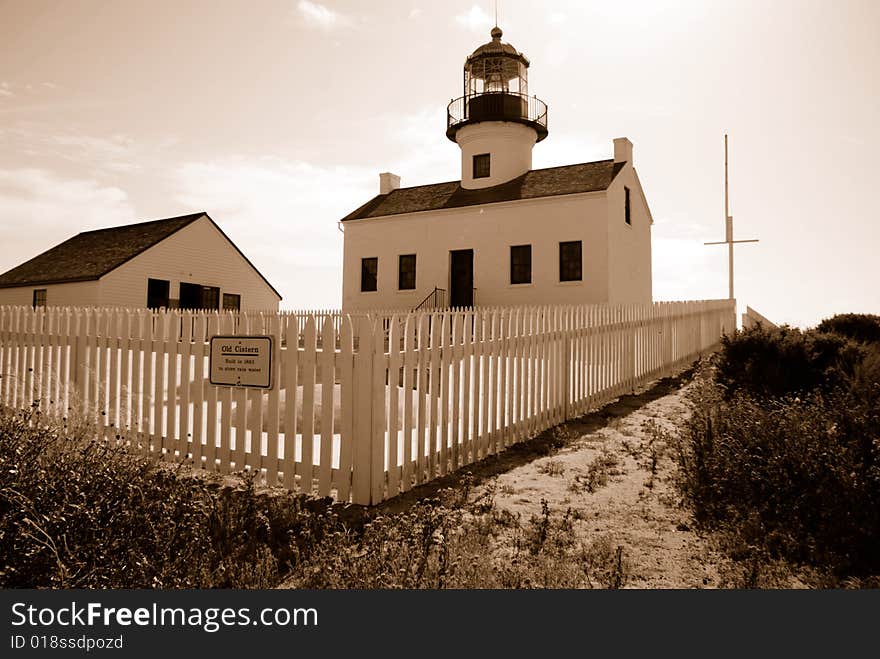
(362, 422)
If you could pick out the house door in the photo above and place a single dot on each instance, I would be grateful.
(461, 278)
(190, 296)
(196, 296)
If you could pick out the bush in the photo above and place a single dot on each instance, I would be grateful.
(861, 327)
(81, 513)
(799, 477)
(782, 361)
(449, 541)
(865, 382)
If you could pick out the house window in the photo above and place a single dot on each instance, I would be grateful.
(39, 297)
(369, 271)
(626, 215)
(570, 261)
(521, 264)
(406, 272)
(157, 293)
(481, 165)
(231, 302)
(196, 296)
(210, 297)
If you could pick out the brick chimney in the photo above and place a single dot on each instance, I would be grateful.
(388, 182)
(623, 150)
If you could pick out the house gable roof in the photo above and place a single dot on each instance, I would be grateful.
(534, 184)
(90, 255)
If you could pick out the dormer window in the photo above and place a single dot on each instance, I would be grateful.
(481, 165)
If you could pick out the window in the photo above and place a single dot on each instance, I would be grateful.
(39, 297)
(406, 272)
(626, 216)
(570, 261)
(157, 293)
(210, 297)
(521, 264)
(369, 272)
(231, 302)
(196, 296)
(481, 165)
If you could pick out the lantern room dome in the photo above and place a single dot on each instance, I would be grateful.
(496, 88)
(495, 47)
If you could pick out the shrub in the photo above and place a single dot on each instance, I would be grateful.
(81, 513)
(799, 477)
(865, 381)
(782, 361)
(860, 327)
(450, 542)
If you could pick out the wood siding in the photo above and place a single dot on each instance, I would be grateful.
(199, 254)
(79, 293)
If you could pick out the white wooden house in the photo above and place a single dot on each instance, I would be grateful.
(504, 234)
(179, 262)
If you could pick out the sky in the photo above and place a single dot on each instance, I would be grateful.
(277, 116)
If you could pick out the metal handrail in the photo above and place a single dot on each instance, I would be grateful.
(509, 106)
(438, 295)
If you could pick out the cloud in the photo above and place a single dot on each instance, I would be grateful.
(283, 214)
(418, 148)
(583, 146)
(39, 209)
(415, 12)
(475, 19)
(96, 155)
(319, 16)
(100, 148)
(684, 268)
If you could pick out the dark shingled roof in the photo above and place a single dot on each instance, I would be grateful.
(536, 183)
(92, 254)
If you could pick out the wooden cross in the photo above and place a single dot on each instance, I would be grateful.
(728, 222)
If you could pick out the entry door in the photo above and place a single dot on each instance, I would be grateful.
(196, 296)
(190, 296)
(461, 278)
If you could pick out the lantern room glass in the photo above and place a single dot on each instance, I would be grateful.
(495, 74)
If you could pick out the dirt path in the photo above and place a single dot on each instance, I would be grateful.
(615, 479)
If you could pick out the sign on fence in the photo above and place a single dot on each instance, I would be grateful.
(241, 361)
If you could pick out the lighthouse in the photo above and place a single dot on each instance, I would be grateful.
(504, 234)
(495, 122)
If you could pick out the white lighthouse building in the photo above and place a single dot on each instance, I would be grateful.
(504, 234)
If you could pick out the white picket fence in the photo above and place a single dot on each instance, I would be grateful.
(364, 407)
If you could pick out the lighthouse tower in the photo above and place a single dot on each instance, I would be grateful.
(495, 123)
